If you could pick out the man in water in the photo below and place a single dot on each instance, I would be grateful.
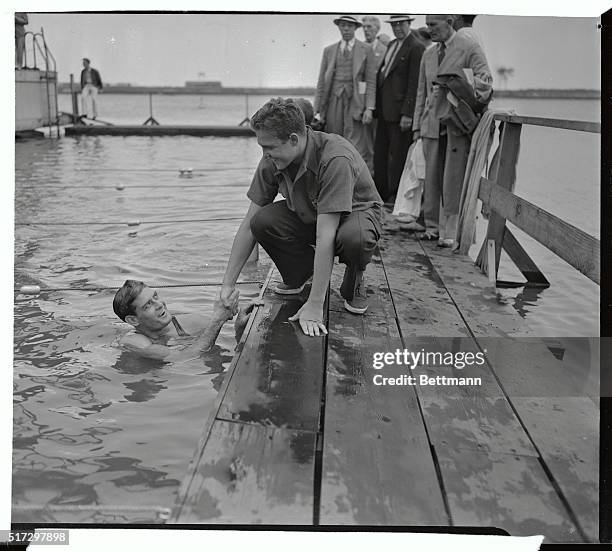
(157, 328)
(330, 202)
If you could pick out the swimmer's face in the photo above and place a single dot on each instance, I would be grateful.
(151, 311)
(281, 153)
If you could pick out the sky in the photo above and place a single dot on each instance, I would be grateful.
(285, 49)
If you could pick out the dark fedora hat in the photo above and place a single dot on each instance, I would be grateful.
(396, 18)
(347, 19)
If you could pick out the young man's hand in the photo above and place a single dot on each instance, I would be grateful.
(226, 296)
(310, 317)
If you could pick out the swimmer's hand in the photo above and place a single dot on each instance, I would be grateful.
(228, 308)
(243, 318)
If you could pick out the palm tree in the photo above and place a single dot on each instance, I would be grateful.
(504, 73)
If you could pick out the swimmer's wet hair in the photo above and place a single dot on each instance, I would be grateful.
(125, 296)
(281, 117)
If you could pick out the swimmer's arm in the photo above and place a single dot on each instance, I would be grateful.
(142, 345)
(208, 337)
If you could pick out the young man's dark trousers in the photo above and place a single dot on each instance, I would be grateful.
(288, 242)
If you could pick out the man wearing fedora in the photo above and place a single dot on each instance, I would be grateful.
(396, 82)
(346, 88)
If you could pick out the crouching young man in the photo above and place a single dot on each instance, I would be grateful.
(330, 201)
(157, 330)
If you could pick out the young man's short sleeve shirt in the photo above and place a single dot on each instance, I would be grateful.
(332, 178)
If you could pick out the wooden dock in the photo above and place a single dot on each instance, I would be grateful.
(302, 435)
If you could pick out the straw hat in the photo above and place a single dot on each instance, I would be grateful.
(347, 19)
(399, 17)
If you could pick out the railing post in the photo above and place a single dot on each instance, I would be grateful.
(505, 176)
(75, 101)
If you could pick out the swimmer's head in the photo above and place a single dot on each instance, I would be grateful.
(140, 306)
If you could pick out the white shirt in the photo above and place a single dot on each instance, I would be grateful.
(350, 43)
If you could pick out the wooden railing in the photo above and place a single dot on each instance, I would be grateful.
(576, 247)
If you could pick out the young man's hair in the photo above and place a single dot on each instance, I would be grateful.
(86, 59)
(125, 296)
(281, 118)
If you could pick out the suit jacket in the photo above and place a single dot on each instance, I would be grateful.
(95, 78)
(396, 93)
(379, 50)
(462, 53)
(364, 70)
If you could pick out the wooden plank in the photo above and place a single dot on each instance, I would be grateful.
(379, 298)
(481, 308)
(554, 401)
(505, 491)
(523, 261)
(510, 143)
(278, 377)
(250, 474)
(184, 488)
(426, 308)
(377, 466)
(582, 126)
(576, 247)
(566, 430)
(525, 367)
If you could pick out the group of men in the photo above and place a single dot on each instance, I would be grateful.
(331, 204)
(383, 95)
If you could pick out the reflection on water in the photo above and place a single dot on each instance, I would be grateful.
(98, 429)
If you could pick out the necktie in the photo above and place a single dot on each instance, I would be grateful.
(345, 48)
(441, 53)
(390, 59)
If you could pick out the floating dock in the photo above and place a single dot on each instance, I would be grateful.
(301, 434)
(158, 130)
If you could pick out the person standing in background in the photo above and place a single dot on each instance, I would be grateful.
(91, 83)
(397, 81)
(21, 20)
(463, 25)
(460, 57)
(425, 37)
(378, 43)
(346, 88)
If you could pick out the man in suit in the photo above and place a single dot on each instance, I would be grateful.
(397, 81)
(346, 88)
(91, 83)
(378, 43)
(446, 150)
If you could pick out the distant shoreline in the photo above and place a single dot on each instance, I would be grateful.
(64, 88)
